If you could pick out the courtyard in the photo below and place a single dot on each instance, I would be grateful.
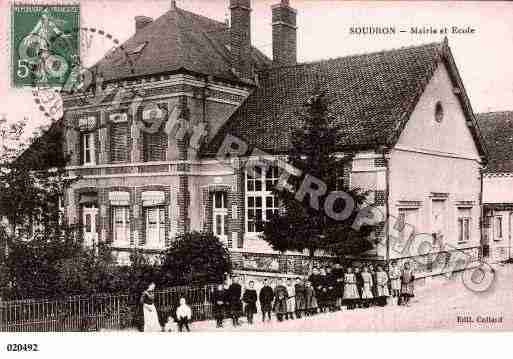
(439, 304)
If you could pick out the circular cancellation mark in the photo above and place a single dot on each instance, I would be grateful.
(75, 79)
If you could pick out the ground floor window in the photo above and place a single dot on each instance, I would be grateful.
(464, 221)
(497, 226)
(89, 216)
(407, 222)
(220, 214)
(155, 222)
(121, 225)
(438, 219)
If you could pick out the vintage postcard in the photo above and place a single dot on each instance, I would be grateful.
(255, 166)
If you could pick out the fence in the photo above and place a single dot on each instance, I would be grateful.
(94, 313)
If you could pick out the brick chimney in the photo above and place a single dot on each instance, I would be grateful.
(240, 38)
(141, 22)
(284, 34)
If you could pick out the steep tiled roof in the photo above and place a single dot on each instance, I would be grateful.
(177, 40)
(371, 97)
(497, 130)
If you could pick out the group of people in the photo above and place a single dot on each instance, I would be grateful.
(326, 289)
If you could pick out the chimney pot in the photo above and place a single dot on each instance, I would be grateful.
(142, 21)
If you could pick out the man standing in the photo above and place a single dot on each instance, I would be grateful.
(250, 298)
(266, 297)
(234, 295)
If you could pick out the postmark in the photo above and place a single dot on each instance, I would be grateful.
(43, 44)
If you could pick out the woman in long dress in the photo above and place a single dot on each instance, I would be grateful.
(381, 286)
(151, 318)
(350, 290)
(367, 287)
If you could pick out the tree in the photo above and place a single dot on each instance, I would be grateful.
(45, 257)
(301, 224)
(195, 258)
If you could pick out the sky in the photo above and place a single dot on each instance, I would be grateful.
(483, 57)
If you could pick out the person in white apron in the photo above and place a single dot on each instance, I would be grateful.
(151, 318)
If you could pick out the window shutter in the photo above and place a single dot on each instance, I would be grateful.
(119, 142)
(155, 146)
(81, 151)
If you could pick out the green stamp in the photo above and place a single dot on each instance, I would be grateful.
(45, 44)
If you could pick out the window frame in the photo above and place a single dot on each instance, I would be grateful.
(88, 143)
(161, 223)
(219, 208)
(495, 236)
(259, 197)
(116, 119)
(464, 225)
(125, 225)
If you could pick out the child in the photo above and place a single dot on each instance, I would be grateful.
(381, 287)
(367, 287)
(250, 298)
(266, 297)
(299, 289)
(183, 315)
(407, 279)
(234, 295)
(309, 299)
(322, 291)
(359, 286)
(280, 302)
(291, 299)
(395, 280)
(350, 290)
(219, 305)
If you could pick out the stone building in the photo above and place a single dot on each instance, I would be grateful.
(497, 129)
(403, 113)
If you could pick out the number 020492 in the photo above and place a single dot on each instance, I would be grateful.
(22, 348)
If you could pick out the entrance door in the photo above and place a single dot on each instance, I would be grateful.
(220, 213)
(89, 212)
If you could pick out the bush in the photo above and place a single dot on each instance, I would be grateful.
(195, 259)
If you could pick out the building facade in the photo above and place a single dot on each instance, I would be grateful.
(497, 130)
(145, 146)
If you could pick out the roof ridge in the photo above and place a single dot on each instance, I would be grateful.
(495, 112)
(202, 17)
(351, 56)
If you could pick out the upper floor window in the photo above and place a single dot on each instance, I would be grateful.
(261, 204)
(154, 136)
(119, 137)
(88, 148)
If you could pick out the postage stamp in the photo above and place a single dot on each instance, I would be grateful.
(43, 43)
